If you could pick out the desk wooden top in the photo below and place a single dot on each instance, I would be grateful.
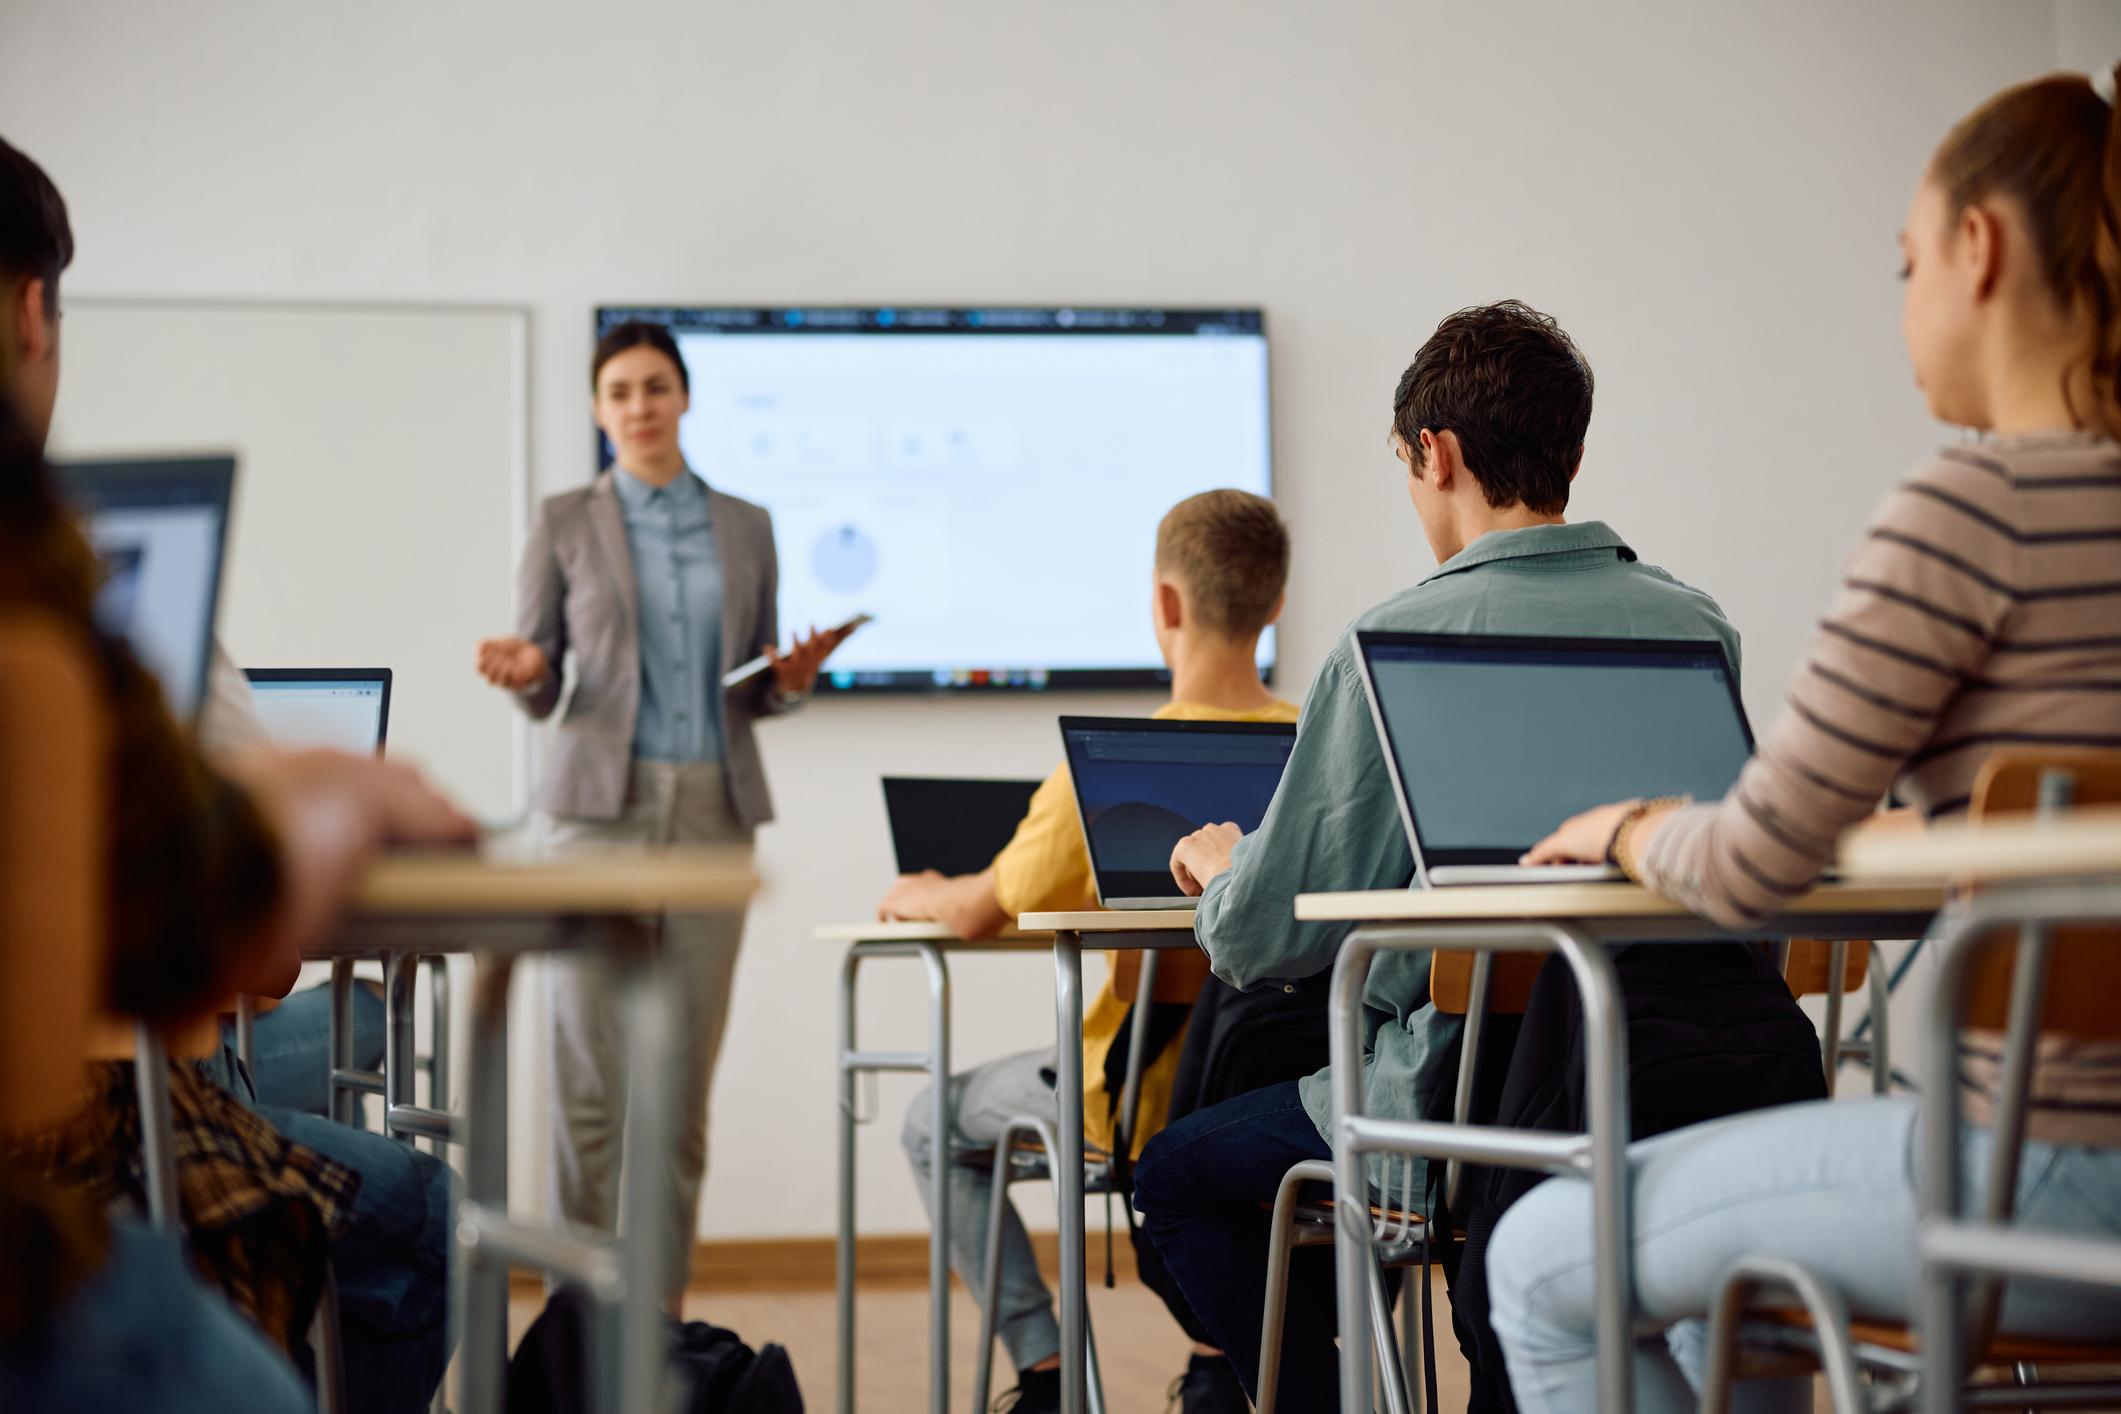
(1110, 920)
(1629, 910)
(681, 879)
(1010, 939)
(2082, 842)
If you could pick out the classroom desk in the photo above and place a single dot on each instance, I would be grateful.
(416, 903)
(1073, 932)
(931, 943)
(1578, 921)
(2035, 873)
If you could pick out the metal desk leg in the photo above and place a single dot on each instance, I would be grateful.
(158, 1130)
(844, 1254)
(339, 1045)
(1068, 1170)
(1603, 1151)
(935, 1063)
(650, 1123)
(400, 970)
(438, 1045)
(481, 1279)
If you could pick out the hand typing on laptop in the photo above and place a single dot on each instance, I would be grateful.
(1202, 855)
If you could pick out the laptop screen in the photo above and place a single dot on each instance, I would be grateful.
(347, 709)
(1143, 785)
(952, 826)
(159, 527)
(1496, 740)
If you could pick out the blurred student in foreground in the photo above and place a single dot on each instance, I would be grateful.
(207, 882)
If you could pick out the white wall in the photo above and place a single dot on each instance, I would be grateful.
(1706, 196)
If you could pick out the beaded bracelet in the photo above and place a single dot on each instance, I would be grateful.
(1616, 852)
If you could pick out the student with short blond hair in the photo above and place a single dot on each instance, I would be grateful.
(1222, 558)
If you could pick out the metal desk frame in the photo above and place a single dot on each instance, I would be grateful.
(1072, 934)
(1957, 1252)
(1507, 919)
(930, 943)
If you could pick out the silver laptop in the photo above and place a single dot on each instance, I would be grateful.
(1142, 785)
(347, 709)
(159, 527)
(1493, 740)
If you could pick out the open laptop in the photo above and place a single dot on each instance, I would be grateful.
(160, 527)
(347, 709)
(1493, 740)
(1143, 785)
(953, 826)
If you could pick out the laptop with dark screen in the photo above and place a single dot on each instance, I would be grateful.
(1493, 740)
(1142, 785)
(953, 826)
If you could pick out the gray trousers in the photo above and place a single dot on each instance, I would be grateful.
(982, 1100)
(667, 802)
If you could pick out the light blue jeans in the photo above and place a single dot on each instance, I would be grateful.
(982, 1100)
(1832, 1185)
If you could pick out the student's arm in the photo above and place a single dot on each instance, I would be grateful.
(965, 904)
(1332, 826)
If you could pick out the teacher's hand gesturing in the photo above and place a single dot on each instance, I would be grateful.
(512, 663)
(796, 669)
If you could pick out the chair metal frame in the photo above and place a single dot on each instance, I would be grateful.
(1964, 1262)
(403, 1119)
(1099, 1176)
(1600, 1154)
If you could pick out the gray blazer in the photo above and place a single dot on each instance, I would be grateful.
(576, 590)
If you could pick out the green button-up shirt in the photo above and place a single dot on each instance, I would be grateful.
(1334, 825)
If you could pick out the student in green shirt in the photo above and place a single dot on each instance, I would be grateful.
(1489, 422)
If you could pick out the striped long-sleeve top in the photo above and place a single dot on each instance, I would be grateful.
(1982, 609)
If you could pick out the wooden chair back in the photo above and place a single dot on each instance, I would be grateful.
(53, 764)
(1180, 974)
(1811, 959)
(2085, 964)
(1509, 985)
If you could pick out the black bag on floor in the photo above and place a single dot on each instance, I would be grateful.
(549, 1371)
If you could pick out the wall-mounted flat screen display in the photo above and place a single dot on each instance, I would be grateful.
(985, 482)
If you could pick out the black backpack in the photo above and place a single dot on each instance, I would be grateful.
(547, 1374)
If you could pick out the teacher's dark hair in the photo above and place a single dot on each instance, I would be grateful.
(638, 334)
(36, 241)
(1515, 389)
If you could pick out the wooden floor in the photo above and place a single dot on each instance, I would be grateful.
(1140, 1348)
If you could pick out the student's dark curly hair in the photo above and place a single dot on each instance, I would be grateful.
(1517, 392)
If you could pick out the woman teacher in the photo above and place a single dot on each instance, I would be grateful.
(659, 584)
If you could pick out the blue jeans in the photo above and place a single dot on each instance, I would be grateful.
(1831, 1185)
(292, 1043)
(1200, 1186)
(144, 1333)
(391, 1260)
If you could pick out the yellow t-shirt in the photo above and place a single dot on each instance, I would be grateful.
(1045, 868)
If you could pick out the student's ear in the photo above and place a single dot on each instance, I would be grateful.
(1170, 606)
(1981, 237)
(1275, 613)
(1440, 451)
(1578, 466)
(27, 328)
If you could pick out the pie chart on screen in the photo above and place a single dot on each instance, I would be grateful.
(844, 559)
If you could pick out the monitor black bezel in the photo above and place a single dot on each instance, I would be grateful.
(381, 675)
(1134, 883)
(84, 484)
(1426, 858)
(918, 320)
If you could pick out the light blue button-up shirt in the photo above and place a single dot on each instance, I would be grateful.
(677, 575)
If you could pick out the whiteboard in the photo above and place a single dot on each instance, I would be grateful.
(382, 491)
